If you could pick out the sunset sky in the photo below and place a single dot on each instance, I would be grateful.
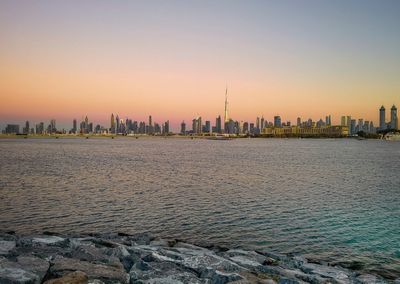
(173, 59)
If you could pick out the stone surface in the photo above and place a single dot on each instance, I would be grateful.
(77, 277)
(141, 258)
(34, 264)
(107, 273)
(369, 279)
(161, 272)
(339, 275)
(48, 240)
(13, 273)
(6, 247)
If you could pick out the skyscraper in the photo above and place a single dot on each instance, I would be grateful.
(343, 121)
(393, 118)
(40, 128)
(25, 130)
(74, 126)
(360, 124)
(245, 127)
(218, 124)
(53, 128)
(117, 125)
(112, 126)
(183, 128)
(348, 121)
(150, 128)
(207, 127)
(277, 121)
(197, 125)
(226, 115)
(352, 129)
(382, 118)
(328, 120)
(86, 124)
(165, 128)
(258, 125)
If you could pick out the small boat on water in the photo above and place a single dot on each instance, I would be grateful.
(392, 136)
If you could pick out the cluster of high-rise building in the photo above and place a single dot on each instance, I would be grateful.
(262, 126)
(129, 126)
(355, 126)
(277, 127)
(227, 126)
(393, 123)
(360, 125)
(38, 129)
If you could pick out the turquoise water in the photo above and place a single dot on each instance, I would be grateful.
(329, 200)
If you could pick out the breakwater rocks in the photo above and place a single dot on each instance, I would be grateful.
(141, 258)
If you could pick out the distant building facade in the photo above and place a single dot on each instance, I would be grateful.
(12, 129)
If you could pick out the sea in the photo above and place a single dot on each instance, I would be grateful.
(328, 200)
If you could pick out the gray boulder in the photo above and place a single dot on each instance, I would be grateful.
(6, 247)
(369, 279)
(34, 264)
(14, 273)
(162, 272)
(48, 240)
(334, 273)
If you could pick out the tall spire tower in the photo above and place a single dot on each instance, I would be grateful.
(226, 116)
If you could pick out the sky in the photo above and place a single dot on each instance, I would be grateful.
(174, 59)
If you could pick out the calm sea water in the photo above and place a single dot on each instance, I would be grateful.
(329, 200)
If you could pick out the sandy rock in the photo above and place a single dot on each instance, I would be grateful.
(107, 273)
(77, 277)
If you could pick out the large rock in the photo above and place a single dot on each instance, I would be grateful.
(77, 277)
(6, 247)
(162, 272)
(48, 240)
(89, 252)
(34, 264)
(107, 273)
(339, 275)
(246, 255)
(43, 246)
(254, 278)
(196, 258)
(182, 263)
(369, 279)
(14, 273)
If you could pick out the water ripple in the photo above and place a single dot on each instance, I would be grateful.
(330, 200)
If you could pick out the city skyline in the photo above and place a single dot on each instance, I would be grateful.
(68, 59)
(227, 125)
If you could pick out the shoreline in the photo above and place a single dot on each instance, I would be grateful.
(143, 258)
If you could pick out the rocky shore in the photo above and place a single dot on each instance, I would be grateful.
(120, 258)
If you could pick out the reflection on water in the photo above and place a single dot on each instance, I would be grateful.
(331, 200)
